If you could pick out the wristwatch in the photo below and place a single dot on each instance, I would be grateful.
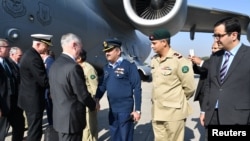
(139, 112)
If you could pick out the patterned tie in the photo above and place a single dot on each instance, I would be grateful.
(223, 70)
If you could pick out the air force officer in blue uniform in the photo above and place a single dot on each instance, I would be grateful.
(123, 85)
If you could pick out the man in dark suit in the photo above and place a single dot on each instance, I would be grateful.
(10, 113)
(227, 97)
(69, 91)
(201, 67)
(14, 58)
(34, 81)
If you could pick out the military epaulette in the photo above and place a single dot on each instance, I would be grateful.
(179, 56)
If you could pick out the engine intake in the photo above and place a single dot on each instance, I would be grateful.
(148, 15)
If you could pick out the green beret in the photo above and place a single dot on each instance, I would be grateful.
(110, 44)
(159, 34)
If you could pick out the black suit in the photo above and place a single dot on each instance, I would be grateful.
(69, 95)
(34, 81)
(234, 94)
(202, 71)
(11, 113)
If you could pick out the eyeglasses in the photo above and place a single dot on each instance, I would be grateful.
(218, 36)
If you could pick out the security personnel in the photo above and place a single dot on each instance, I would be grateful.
(90, 132)
(123, 85)
(173, 84)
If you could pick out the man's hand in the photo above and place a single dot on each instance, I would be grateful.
(136, 116)
(196, 60)
(98, 106)
(202, 119)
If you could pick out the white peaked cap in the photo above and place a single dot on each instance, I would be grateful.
(45, 38)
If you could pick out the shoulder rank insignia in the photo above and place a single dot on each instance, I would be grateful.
(185, 69)
(178, 55)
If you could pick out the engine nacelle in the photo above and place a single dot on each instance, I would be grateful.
(148, 15)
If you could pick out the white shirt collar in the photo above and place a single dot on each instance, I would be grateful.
(69, 55)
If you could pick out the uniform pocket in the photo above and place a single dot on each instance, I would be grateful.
(166, 72)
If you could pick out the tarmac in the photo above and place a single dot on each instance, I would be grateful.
(143, 129)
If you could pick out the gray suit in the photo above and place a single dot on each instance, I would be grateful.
(69, 95)
(233, 94)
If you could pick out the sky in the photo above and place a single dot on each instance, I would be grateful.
(202, 43)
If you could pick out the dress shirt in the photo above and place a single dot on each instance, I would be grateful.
(232, 55)
(118, 62)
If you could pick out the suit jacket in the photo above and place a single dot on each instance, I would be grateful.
(202, 71)
(48, 62)
(5, 93)
(16, 73)
(34, 81)
(233, 94)
(69, 95)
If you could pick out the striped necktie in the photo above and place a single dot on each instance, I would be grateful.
(223, 70)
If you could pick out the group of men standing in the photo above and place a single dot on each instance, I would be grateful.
(71, 91)
(10, 113)
(226, 88)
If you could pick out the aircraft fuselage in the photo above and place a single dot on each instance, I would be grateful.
(91, 20)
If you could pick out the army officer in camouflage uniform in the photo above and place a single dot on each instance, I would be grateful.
(173, 84)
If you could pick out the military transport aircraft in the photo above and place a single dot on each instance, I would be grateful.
(96, 20)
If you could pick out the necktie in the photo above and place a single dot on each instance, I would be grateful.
(7, 70)
(10, 78)
(223, 70)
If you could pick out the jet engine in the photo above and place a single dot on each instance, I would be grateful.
(148, 15)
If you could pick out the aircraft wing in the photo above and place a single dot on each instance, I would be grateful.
(201, 19)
